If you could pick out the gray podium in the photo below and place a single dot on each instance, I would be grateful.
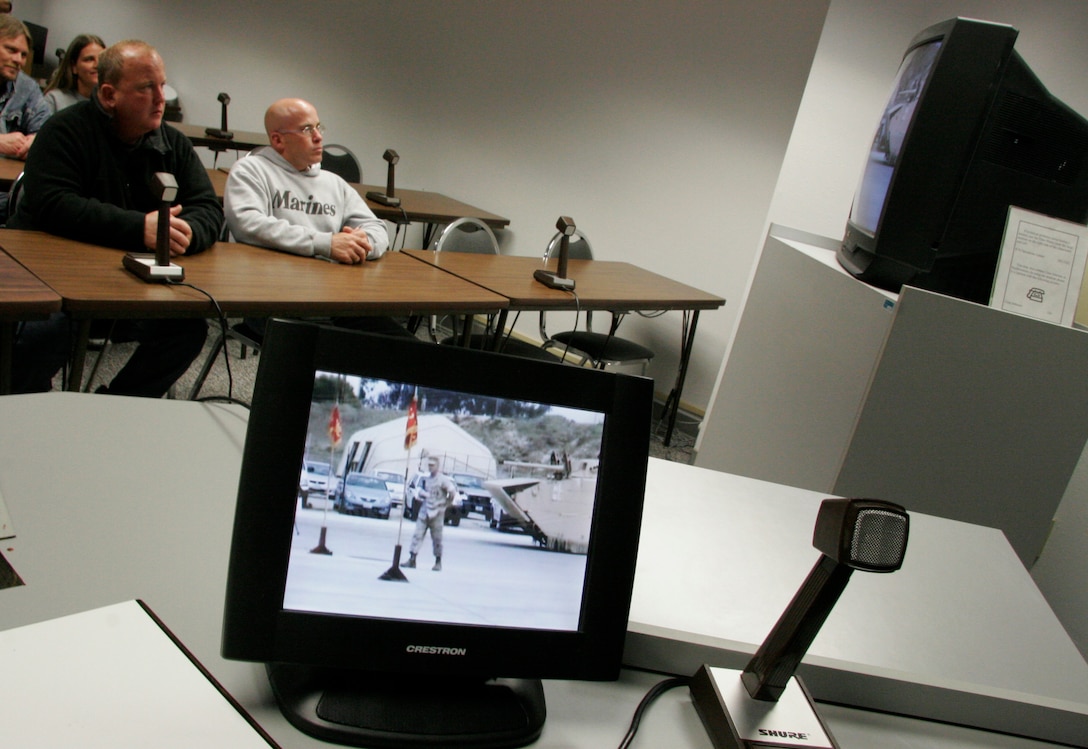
(948, 407)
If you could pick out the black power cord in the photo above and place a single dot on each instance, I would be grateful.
(229, 398)
(655, 691)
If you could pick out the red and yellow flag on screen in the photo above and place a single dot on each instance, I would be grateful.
(336, 431)
(411, 430)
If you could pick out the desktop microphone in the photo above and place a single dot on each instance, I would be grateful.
(388, 197)
(157, 267)
(764, 700)
(558, 279)
(861, 534)
(222, 132)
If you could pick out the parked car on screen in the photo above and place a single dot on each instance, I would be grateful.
(364, 495)
(475, 498)
(313, 482)
(413, 500)
(395, 483)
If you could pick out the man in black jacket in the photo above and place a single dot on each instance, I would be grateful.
(88, 177)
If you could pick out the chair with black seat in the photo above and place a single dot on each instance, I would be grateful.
(599, 349)
(340, 160)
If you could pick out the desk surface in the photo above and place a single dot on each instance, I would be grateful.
(600, 284)
(120, 500)
(244, 280)
(9, 170)
(415, 205)
(22, 294)
(242, 140)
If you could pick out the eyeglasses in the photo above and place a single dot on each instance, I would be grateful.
(307, 130)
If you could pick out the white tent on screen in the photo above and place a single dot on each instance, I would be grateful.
(381, 448)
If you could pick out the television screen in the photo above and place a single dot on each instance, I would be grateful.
(529, 467)
(425, 532)
(967, 132)
(913, 75)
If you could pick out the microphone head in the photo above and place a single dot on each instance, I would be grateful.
(864, 534)
(391, 156)
(223, 98)
(565, 224)
(164, 186)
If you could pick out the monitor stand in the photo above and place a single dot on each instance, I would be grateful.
(417, 710)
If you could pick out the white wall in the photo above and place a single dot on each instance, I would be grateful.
(658, 126)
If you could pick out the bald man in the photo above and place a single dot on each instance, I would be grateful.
(279, 197)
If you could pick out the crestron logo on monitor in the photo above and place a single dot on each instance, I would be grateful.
(435, 650)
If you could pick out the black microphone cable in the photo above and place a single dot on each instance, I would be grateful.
(223, 327)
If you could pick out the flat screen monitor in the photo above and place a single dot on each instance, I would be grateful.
(967, 132)
(474, 532)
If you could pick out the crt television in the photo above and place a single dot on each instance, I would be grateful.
(363, 649)
(967, 131)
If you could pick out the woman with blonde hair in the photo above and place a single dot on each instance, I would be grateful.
(77, 74)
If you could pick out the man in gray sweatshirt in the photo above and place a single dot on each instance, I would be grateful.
(279, 197)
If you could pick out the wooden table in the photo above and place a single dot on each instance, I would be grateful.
(9, 170)
(599, 285)
(242, 140)
(244, 280)
(415, 205)
(23, 296)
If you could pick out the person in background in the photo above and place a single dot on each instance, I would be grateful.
(77, 75)
(23, 110)
(271, 195)
(279, 197)
(89, 178)
(5, 6)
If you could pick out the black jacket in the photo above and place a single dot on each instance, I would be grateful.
(82, 182)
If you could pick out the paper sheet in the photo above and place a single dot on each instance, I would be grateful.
(1040, 268)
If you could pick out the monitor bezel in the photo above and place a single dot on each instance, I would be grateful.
(256, 628)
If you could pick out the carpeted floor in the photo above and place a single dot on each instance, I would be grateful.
(242, 372)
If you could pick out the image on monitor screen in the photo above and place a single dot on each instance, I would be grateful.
(525, 475)
(876, 177)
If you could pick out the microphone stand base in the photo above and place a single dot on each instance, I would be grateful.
(553, 280)
(734, 720)
(381, 197)
(144, 266)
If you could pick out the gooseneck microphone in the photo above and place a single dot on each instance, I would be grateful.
(558, 279)
(744, 708)
(863, 534)
(157, 266)
(222, 132)
(388, 197)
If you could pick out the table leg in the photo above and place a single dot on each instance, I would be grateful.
(79, 355)
(672, 403)
(496, 336)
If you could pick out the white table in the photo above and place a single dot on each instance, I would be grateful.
(116, 498)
